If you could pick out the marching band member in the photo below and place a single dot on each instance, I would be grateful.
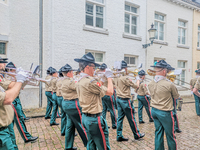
(176, 122)
(48, 93)
(196, 92)
(72, 108)
(142, 97)
(108, 101)
(53, 81)
(59, 101)
(18, 114)
(90, 93)
(162, 94)
(196, 97)
(125, 107)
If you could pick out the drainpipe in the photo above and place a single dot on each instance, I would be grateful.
(40, 47)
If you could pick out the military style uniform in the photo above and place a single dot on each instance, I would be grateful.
(197, 99)
(54, 100)
(108, 104)
(125, 107)
(90, 93)
(48, 93)
(143, 100)
(59, 102)
(7, 115)
(72, 108)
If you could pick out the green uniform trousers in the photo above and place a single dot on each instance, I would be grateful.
(63, 115)
(144, 101)
(12, 135)
(74, 120)
(55, 108)
(176, 122)
(97, 132)
(6, 142)
(197, 104)
(164, 122)
(20, 123)
(125, 108)
(115, 99)
(49, 103)
(20, 105)
(108, 104)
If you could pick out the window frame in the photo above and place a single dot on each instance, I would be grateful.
(94, 51)
(180, 76)
(95, 4)
(134, 56)
(198, 36)
(5, 48)
(198, 62)
(160, 21)
(131, 14)
(185, 28)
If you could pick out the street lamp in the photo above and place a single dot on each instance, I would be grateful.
(152, 34)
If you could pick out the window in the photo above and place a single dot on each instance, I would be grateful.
(99, 56)
(130, 59)
(198, 65)
(95, 13)
(2, 48)
(160, 26)
(198, 42)
(130, 19)
(182, 32)
(182, 76)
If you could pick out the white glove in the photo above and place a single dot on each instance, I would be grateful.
(191, 92)
(19, 69)
(108, 73)
(22, 76)
(103, 79)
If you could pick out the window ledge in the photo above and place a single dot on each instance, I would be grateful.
(160, 42)
(133, 37)
(198, 48)
(4, 38)
(96, 30)
(183, 46)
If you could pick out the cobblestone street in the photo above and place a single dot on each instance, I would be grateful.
(50, 137)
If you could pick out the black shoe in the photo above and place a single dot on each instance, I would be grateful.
(140, 122)
(108, 127)
(114, 127)
(122, 139)
(178, 131)
(47, 117)
(151, 121)
(26, 119)
(54, 124)
(73, 148)
(141, 136)
(75, 134)
(32, 139)
(62, 134)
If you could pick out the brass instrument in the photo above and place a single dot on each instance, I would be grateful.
(151, 72)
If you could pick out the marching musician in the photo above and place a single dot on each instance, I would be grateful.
(90, 93)
(124, 105)
(143, 97)
(192, 87)
(6, 111)
(162, 94)
(108, 101)
(176, 122)
(59, 101)
(48, 93)
(18, 113)
(53, 81)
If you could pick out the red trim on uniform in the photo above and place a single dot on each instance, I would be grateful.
(133, 118)
(19, 122)
(52, 93)
(149, 107)
(98, 84)
(58, 115)
(113, 109)
(102, 133)
(79, 112)
(173, 128)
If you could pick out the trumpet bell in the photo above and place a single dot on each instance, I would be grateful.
(151, 72)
